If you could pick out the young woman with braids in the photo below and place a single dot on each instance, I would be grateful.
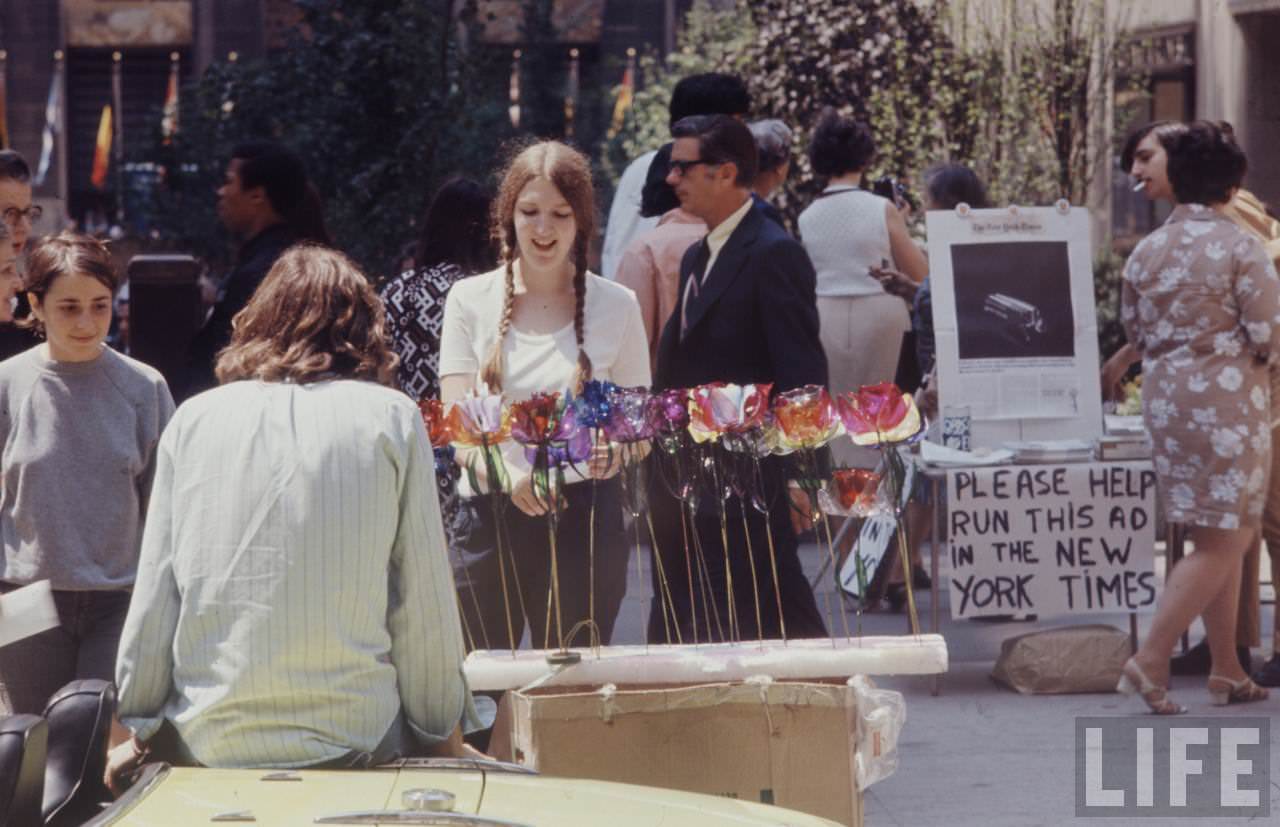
(542, 323)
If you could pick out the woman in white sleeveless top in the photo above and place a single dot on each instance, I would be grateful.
(848, 232)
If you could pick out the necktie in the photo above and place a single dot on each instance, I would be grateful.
(696, 278)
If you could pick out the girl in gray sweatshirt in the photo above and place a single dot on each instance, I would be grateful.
(79, 424)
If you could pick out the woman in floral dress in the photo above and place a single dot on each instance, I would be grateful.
(1200, 303)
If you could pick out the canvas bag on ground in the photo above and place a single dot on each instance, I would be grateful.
(1063, 661)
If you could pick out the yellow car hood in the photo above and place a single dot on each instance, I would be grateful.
(482, 797)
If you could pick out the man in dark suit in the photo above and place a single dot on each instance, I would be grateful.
(745, 313)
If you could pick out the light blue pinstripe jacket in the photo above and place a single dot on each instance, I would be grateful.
(293, 592)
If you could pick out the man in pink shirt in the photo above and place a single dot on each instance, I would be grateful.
(650, 265)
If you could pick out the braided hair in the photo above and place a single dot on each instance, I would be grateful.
(569, 172)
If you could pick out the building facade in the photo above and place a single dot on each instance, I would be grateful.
(81, 42)
(74, 45)
(1212, 59)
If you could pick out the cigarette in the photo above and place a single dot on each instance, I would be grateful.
(1140, 186)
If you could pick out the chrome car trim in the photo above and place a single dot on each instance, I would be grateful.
(424, 799)
(482, 765)
(148, 777)
(416, 817)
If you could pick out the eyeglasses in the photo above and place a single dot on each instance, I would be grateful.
(683, 167)
(13, 215)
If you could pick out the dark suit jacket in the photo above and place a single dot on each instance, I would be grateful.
(770, 212)
(755, 318)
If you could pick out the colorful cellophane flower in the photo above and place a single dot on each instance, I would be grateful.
(594, 406)
(879, 414)
(671, 415)
(543, 421)
(572, 450)
(855, 491)
(437, 424)
(758, 442)
(719, 408)
(477, 420)
(536, 421)
(806, 418)
(634, 415)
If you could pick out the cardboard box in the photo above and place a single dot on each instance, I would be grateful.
(789, 744)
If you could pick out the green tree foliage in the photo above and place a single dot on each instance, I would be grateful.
(1010, 88)
(1017, 90)
(381, 100)
(881, 60)
(1038, 90)
(712, 39)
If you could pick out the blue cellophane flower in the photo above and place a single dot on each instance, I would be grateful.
(594, 405)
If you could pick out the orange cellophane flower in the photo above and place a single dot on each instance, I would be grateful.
(806, 418)
(479, 420)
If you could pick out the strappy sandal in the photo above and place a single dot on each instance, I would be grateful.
(1133, 681)
(1224, 691)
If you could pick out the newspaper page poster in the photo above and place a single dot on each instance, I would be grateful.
(1051, 539)
(1015, 321)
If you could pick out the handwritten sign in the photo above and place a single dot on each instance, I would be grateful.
(868, 550)
(1051, 539)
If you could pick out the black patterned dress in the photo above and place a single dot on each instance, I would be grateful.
(414, 303)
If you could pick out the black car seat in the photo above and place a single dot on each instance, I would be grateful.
(79, 717)
(23, 739)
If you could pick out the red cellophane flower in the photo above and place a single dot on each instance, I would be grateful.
(879, 414)
(855, 490)
(433, 416)
(537, 420)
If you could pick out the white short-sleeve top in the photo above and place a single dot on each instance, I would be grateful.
(845, 233)
(613, 336)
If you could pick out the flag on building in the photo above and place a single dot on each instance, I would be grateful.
(625, 95)
(102, 150)
(52, 119)
(4, 100)
(169, 121)
(4, 119)
(513, 90)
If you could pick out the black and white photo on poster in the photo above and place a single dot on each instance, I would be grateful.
(1015, 323)
(1013, 300)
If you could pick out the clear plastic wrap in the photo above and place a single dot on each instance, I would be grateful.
(881, 714)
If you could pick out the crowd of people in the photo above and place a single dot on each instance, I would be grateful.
(274, 574)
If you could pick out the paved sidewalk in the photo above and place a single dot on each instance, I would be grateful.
(980, 754)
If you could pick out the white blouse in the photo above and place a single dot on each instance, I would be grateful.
(613, 336)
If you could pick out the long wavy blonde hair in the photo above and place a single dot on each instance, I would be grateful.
(314, 317)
